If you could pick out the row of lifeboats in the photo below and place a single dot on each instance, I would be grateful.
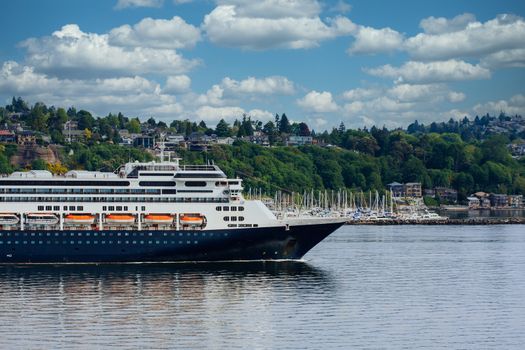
(89, 219)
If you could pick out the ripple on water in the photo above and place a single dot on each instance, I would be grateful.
(364, 287)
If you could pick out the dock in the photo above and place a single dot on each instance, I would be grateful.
(461, 221)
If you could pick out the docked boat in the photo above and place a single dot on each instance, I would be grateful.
(8, 219)
(79, 219)
(158, 219)
(145, 212)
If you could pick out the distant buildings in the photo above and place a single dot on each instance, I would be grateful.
(410, 189)
(397, 189)
(7, 136)
(446, 194)
(482, 200)
(144, 141)
(26, 138)
(299, 140)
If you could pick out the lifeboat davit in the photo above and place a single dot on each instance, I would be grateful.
(42, 219)
(120, 219)
(191, 220)
(8, 219)
(158, 219)
(79, 219)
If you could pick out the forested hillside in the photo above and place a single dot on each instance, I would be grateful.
(468, 155)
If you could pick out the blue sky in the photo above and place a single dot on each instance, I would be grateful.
(360, 62)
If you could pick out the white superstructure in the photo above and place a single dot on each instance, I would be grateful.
(139, 196)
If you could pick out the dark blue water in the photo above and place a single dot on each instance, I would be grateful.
(384, 287)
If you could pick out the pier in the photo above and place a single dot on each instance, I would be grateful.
(448, 221)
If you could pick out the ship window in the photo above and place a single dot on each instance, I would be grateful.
(143, 208)
(234, 218)
(241, 208)
(218, 208)
(80, 208)
(195, 183)
(111, 208)
(241, 218)
(255, 225)
(226, 208)
(125, 208)
(234, 209)
(71, 208)
(157, 183)
(104, 208)
(226, 218)
(119, 208)
(56, 207)
(40, 207)
(48, 207)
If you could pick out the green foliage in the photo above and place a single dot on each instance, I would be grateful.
(102, 157)
(133, 126)
(459, 154)
(38, 164)
(430, 201)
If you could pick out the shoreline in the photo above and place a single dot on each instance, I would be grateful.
(462, 221)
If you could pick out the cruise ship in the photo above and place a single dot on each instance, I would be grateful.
(145, 212)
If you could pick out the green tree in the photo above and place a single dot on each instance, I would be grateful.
(284, 125)
(223, 129)
(133, 126)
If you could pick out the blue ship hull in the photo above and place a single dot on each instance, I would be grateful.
(111, 246)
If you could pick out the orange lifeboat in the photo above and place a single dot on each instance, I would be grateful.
(191, 220)
(8, 219)
(120, 219)
(158, 219)
(79, 219)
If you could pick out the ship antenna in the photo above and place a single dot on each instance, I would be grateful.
(162, 147)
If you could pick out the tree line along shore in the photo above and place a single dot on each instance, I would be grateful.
(468, 155)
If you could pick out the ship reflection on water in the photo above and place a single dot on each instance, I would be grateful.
(147, 304)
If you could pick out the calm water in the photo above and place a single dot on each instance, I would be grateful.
(449, 287)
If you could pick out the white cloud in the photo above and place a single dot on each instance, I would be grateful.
(265, 86)
(259, 114)
(341, 7)
(370, 41)
(319, 122)
(122, 4)
(211, 114)
(354, 107)
(271, 24)
(177, 84)
(439, 71)
(515, 105)
(505, 32)
(71, 52)
(214, 97)
(429, 93)
(274, 8)
(440, 25)
(319, 102)
(172, 33)
(454, 96)
(361, 93)
(505, 58)
(131, 95)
